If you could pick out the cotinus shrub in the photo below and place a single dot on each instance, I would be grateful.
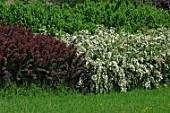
(26, 58)
(164, 4)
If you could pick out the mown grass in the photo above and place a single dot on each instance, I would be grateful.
(136, 101)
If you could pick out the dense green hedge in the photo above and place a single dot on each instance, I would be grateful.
(130, 15)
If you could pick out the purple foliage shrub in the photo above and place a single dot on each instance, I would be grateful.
(164, 4)
(26, 58)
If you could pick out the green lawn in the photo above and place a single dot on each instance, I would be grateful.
(136, 101)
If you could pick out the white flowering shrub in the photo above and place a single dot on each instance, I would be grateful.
(124, 61)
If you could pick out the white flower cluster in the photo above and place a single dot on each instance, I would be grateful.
(123, 60)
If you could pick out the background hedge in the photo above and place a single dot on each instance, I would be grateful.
(52, 19)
